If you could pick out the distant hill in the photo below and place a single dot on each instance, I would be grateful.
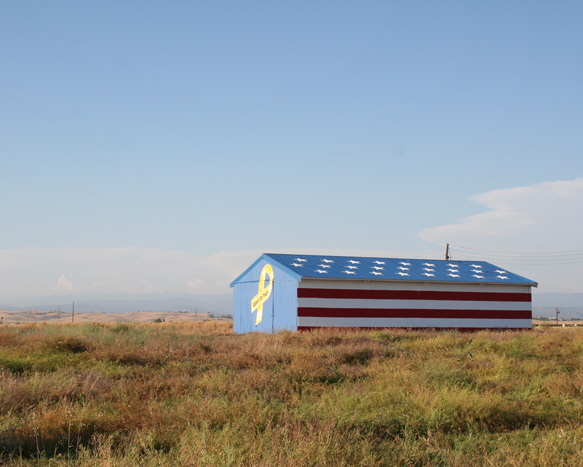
(570, 305)
(217, 305)
(564, 313)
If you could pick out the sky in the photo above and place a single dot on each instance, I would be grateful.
(163, 146)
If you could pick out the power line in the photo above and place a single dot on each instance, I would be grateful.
(524, 253)
(514, 257)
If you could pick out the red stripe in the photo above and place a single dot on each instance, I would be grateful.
(407, 313)
(414, 295)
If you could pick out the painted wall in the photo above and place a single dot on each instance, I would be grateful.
(343, 303)
(268, 297)
(262, 290)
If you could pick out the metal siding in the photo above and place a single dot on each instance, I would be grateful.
(312, 322)
(286, 309)
(243, 319)
(412, 313)
(280, 308)
(340, 303)
(402, 285)
(389, 304)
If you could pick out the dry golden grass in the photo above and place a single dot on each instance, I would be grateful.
(195, 394)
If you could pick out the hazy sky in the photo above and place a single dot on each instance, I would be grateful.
(156, 146)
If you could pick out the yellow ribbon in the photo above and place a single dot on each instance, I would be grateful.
(263, 293)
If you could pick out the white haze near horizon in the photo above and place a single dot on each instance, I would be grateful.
(544, 217)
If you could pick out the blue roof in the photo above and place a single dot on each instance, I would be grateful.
(394, 269)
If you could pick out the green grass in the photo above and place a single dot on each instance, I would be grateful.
(194, 394)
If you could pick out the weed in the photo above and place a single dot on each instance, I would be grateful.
(171, 394)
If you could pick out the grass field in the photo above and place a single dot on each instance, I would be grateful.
(194, 394)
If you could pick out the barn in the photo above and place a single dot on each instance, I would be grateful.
(301, 292)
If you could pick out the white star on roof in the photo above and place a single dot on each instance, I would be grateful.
(454, 275)
(321, 271)
(501, 272)
(502, 277)
(452, 265)
(405, 263)
(328, 260)
(352, 267)
(353, 261)
(402, 268)
(403, 273)
(453, 270)
(376, 273)
(378, 268)
(475, 265)
(479, 277)
(428, 274)
(348, 272)
(428, 264)
(297, 265)
(428, 269)
(324, 265)
(300, 259)
(379, 262)
(475, 270)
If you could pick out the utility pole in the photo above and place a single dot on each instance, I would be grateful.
(73, 314)
(447, 251)
(557, 313)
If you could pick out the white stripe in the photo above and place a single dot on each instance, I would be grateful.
(418, 286)
(343, 303)
(414, 322)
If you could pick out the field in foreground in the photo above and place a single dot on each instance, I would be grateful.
(194, 394)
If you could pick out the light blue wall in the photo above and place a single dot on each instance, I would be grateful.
(280, 309)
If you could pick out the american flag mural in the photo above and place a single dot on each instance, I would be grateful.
(363, 292)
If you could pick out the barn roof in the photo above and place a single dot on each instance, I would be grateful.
(393, 269)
